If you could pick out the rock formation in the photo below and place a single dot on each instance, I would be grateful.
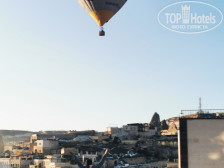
(164, 125)
(155, 121)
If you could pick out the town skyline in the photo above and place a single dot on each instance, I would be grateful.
(57, 73)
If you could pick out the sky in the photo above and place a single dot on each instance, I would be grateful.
(56, 73)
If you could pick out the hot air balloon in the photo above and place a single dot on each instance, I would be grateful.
(102, 10)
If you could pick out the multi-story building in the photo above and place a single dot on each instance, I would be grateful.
(134, 128)
(5, 163)
(47, 163)
(45, 146)
(112, 130)
(89, 153)
(16, 162)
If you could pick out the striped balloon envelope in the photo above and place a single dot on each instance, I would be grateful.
(102, 10)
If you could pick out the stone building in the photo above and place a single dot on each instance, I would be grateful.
(45, 146)
(15, 161)
(1, 145)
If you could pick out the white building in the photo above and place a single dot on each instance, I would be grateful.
(15, 162)
(5, 163)
(45, 146)
(47, 163)
(112, 130)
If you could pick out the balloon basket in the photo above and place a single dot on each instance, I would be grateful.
(101, 33)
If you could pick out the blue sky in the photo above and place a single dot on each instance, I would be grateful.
(56, 73)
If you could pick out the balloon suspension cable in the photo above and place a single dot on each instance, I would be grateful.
(101, 28)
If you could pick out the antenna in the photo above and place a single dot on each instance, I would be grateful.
(200, 111)
(199, 104)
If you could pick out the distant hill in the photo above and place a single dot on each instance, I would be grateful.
(14, 132)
